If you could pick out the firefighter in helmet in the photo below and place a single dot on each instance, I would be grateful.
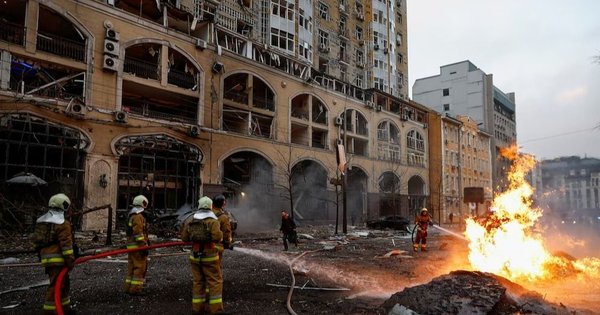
(137, 236)
(204, 231)
(219, 203)
(422, 221)
(53, 240)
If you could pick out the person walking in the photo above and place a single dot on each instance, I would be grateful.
(137, 236)
(422, 221)
(53, 240)
(203, 230)
(288, 228)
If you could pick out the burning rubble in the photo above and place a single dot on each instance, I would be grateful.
(508, 243)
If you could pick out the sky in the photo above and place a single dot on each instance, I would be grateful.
(543, 50)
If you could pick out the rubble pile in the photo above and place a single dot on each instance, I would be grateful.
(470, 292)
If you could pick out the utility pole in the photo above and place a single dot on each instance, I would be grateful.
(345, 178)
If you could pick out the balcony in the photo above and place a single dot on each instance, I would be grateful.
(61, 46)
(141, 68)
(12, 33)
(182, 79)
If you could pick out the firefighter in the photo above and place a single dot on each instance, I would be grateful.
(422, 221)
(137, 236)
(204, 231)
(288, 228)
(53, 240)
(219, 203)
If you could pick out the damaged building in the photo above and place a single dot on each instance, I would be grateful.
(104, 100)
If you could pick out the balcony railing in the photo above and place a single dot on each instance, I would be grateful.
(238, 97)
(181, 79)
(12, 33)
(53, 91)
(263, 103)
(59, 46)
(159, 111)
(141, 68)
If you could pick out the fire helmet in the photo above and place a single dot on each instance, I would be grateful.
(205, 203)
(60, 202)
(140, 201)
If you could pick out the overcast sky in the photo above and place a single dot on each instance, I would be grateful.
(540, 49)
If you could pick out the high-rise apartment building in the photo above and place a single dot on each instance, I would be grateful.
(104, 100)
(463, 89)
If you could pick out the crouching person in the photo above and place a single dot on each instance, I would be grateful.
(53, 240)
(204, 231)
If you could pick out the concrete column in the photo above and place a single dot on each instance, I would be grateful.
(31, 23)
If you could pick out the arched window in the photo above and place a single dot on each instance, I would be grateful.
(248, 105)
(415, 148)
(388, 141)
(309, 121)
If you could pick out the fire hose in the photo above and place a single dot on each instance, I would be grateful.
(80, 260)
(289, 296)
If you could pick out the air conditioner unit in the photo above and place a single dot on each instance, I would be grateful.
(370, 104)
(218, 67)
(379, 108)
(339, 121)
(76, 109)
(121, 116)
(425, 125)
(385, 50)
(404, 117)
(112, 34)
(376, 47)
(194, 131)
(200, 43)
(339, 142)
(110, 63)
(111, 47)
(361, 42)
(361, 17)
(342, 7)
(360, 64)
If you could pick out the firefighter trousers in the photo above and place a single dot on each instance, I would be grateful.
(421, 239)
(136, 272)
(49, 307)
(207, 287)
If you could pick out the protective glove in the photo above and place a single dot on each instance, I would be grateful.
(70, 262)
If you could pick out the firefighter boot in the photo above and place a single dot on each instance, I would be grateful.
(423, 247)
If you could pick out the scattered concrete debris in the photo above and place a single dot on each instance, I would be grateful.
(305, 236)
(401, 310)
(9, 260)
(27, 287)
(470, 292)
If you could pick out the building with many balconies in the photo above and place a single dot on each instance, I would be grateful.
(104, 100)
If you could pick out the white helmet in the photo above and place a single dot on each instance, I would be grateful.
(60, 202)
(423, 210)
(140, 201)
(205, 203)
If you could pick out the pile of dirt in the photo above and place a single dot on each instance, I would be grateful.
(469, 292)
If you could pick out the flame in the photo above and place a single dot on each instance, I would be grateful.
(506, 242)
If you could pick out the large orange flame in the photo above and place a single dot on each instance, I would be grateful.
(506, 243)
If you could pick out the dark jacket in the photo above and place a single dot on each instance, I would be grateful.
(287, 225)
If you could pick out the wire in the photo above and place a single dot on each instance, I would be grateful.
(561, 134)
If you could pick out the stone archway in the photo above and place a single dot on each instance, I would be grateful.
(309, 189)
(416, 194)
(356, 195)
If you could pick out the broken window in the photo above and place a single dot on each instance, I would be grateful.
(41, 78)
(156, 103)
(356, 125)
(388, 142)
(162, 168)
(39, 158)
(58, 36)
(323, 11)
(282, 39)
(389, 182)
(309, 187)
(182, 73)
(416, 148)
(250, 177)
(143, 61)
(310, 126)
(12, 21)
